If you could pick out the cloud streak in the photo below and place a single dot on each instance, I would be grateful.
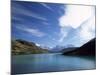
(32, 31)
(46, 6)
(45, 23)
(19, 9)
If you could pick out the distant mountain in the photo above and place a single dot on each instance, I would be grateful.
(57, 49)
(69, 46)
(87, 49)
(44, 47)
(69, 49)
(62, 48)
(24, 47)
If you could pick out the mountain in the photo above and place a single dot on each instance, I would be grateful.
(87, 49)
(25, 47)
(62, 48)
(69, 49)
(44, 47)
(57, 49)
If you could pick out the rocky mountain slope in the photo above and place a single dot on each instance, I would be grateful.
(25, 47)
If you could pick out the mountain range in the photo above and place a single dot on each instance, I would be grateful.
(59, 48)
(20, 46)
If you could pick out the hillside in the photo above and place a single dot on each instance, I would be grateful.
(25, 47)
(69, 49)
(87, 49)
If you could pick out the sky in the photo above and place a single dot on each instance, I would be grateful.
(51, 24)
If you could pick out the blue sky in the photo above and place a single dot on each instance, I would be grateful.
(49, 24)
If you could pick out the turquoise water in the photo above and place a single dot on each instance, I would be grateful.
(37, 63)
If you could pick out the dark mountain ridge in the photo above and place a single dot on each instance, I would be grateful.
(87, 49)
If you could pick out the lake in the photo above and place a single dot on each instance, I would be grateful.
(37, 63)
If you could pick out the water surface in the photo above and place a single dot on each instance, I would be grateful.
(37, 63)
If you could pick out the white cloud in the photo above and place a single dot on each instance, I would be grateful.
(87, 29)
(74, 16)
(32, 31)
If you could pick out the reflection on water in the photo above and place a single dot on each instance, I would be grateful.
(50, 62)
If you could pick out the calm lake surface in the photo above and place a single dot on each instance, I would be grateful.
(37, 63)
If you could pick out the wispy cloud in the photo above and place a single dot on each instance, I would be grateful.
(46, 6)
(31, 31)
(19, 9)
(63, 34)
(45, 23)
(16, 18)
(87, 29)
(74, 17)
